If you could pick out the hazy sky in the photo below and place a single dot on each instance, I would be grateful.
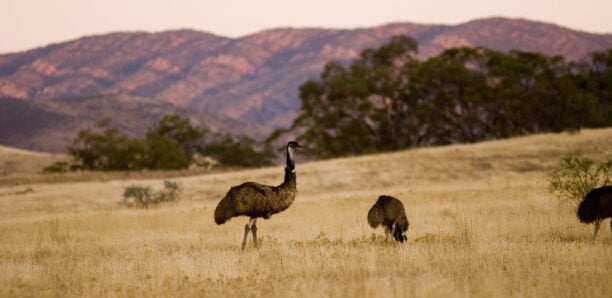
(26, 24)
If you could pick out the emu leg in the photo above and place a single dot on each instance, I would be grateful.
(611, 226)
(387, 233)
(246, 232)
(254, 231)
(597, 223)
(247, 228)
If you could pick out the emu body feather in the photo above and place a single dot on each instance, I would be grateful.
(389, 212)
(596, 206)
(256, 200)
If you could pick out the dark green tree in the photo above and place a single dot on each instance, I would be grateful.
(168, 144)
(594, 80)
(179, 130)
(387, 99)
(106, 148)
(453, 97)
(238, 151)
(353, 110)
(162, 153)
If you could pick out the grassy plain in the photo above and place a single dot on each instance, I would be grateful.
(481, 224)
(16, 161)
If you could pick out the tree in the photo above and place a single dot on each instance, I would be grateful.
(594, 80)
(162, 153)
(168, 145)
(387, 99)
(105, 148)
(178, 130)
(453, 97)
(238, 151)
(352, 110)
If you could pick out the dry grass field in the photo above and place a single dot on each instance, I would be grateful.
(17, 161)
(23, 167)
(482, 223)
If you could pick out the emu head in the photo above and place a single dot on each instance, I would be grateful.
(399, 235)
(293, 144)
(290, 146)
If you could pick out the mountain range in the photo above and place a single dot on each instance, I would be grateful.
(247, 85)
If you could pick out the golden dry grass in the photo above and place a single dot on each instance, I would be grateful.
(23, 167)
(481, 224)
(18, 161)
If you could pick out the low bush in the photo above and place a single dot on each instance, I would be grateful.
(576, 175)
(57, 167)
(144, 196)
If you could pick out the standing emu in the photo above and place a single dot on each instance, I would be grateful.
(389, 212)
(257, 200)
(596, 206)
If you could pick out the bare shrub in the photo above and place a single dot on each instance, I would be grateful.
(144, 196)
(576, 175)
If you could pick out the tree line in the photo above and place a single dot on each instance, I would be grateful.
(386, 99)
(172, 143)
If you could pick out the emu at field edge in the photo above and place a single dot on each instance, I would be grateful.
(389, 212)
(596, 206)
(257, 200)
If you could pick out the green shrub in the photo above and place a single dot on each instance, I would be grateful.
(179, 130)
(576, 175)
(57, 167)
(162, 153)
(171, 144)
(106, 148)
(144, 196)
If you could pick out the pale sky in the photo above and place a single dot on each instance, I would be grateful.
(26, 24)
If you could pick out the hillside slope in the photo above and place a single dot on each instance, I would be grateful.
(50, 125)
(254, 78)
(18, 161)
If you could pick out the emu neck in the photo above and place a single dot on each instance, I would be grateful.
(290, 162)
(289, 180)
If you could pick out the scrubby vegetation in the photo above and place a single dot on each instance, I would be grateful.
(170, 144)
(57, 167)
(576, 175)
(144, 196)
(388, 100)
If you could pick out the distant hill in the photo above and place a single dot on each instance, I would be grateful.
(253, 79)
(50, 124)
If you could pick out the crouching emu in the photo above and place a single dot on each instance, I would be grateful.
(257, 200)
(596, 206)
(389, 212)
